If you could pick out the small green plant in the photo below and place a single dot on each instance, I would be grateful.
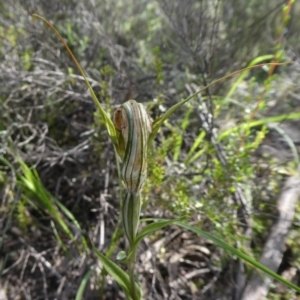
(132, 134)
(39, 197)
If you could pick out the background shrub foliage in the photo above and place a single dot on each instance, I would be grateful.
(238, 140)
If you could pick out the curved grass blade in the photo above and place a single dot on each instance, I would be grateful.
(108, 123)
(31, 182)
(238, 253)
(158, 224)
(258, 123)
(191, 156)
(245, 73)
(58, 238)
(86, 278)
(162, 223)
(72, 219)
(160, 120)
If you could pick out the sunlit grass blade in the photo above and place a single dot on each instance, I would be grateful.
(108, 123)
(190, 157)
(195, 156)
(177, 146)
(255, 123)
(31, 182)
(43, 199)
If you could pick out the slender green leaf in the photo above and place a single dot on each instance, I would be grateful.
(79, 294)
(258, 123)
(161, 223)
(190, 158)
(59, 240)
(32, 183)
(117, 273)
(72, 219)
(245, 73)
(6, 162)
(161, 119)
(108, 123)
(195, 156)
(158, 224)
(186, 120)
(238, 253)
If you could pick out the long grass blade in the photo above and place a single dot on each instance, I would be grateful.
(159, 223)
(85, 280)
(255, 123)
(109, 125)
(160, 120)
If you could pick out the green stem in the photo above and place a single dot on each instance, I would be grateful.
(131, 217)
(131, 268)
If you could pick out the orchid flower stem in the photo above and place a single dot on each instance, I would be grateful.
(131, 271)
(131, 218)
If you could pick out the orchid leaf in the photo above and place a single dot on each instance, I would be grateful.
(161, 119)
(108, 122)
